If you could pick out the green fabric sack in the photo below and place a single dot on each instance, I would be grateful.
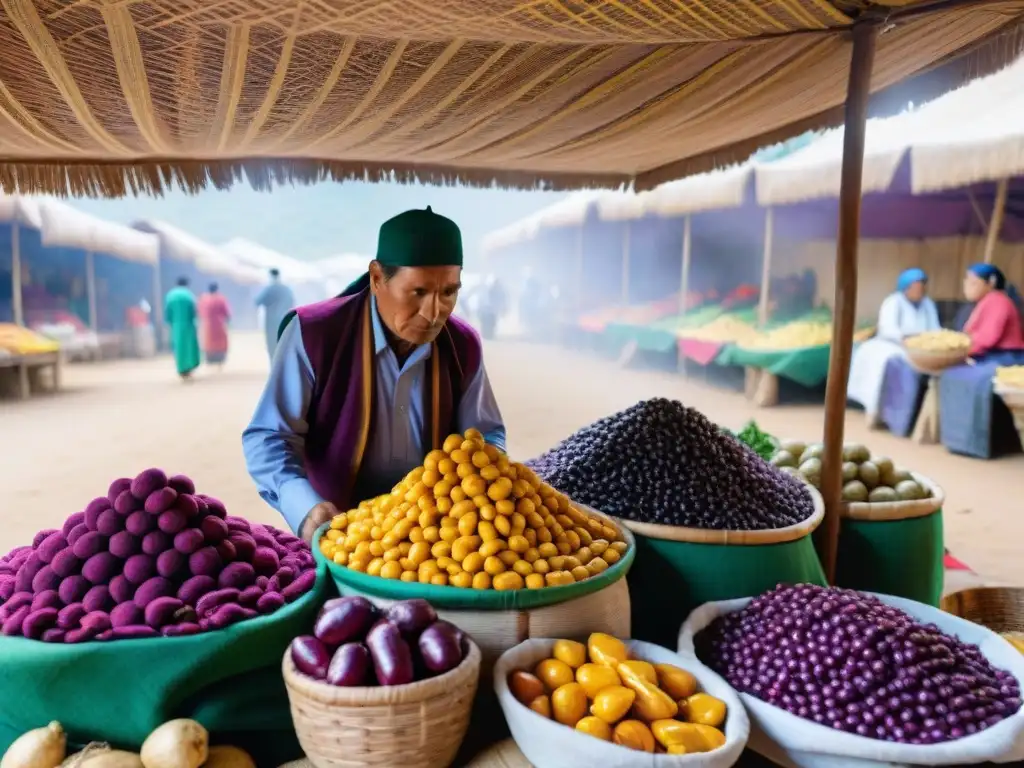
(807, 365)
(671, 578)
(893, 557)
(229, 681)
(460, 598)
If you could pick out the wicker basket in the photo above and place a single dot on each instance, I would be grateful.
(936, 362)
(420, 725)
(1001, 609)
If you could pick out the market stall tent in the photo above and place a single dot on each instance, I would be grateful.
(339, 271)
(305, 280)
(184, 255)
(116, 264)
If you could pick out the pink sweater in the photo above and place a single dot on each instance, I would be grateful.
(994, 325)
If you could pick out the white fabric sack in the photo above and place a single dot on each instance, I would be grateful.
(794, 741)
(548, 744)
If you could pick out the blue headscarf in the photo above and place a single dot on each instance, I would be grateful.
(994, 276)
(910, 276)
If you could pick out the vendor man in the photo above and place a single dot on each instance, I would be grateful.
(364, 385)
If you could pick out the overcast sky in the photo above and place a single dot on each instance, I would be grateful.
(310, 222)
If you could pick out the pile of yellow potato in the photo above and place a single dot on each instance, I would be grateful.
(938, 341)
(796, 335)
(598, 690)
(1011, 376)
(471, 518)
(724, 329)
(21, 341)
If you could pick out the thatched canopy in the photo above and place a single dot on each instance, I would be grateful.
(105, 97)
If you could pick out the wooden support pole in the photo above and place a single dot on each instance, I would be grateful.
(865, 35)
(625, 263)
(90, 289)
(579, 269)
(766, 267)
(684, 280)
(16, 305)
(995, 224)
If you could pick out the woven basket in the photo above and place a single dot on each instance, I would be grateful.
(1001, 609)
(936, 362)
(420, 725)
(897, 510)
(1012, 396)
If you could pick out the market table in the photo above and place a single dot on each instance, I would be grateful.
(28, 368)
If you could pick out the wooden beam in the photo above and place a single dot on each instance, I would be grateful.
(766, 267)
(684, 280)
(17, 308)
(625, 263)
(995, 224)
(858, 91)
(90, 289)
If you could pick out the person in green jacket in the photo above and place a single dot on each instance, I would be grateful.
(180, 315)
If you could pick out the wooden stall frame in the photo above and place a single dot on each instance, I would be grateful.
(995, 224)
(17, 307)
(865, 37)
(684, 278)
(90, 289)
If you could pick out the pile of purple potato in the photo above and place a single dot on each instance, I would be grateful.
(354, 644)
(851, 662)
(151, 558)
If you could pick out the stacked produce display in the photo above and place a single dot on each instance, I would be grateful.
(848, 661)
(723, 329)
(152, 557)
(662, 462)
(942, 340)
(600, 691)
(354, 645)
(798, 334)
(469, 517)
(866, 477)
(16, 341)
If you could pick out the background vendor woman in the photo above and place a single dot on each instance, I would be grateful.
(995, 323)
(905, 312)
(364, 385)
(975, 422)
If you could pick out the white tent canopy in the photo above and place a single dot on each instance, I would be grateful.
(973, 134)
(186, 247)
(570, 211)
(259, 257)
(61, 225)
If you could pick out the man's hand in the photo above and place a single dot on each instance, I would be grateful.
(318, 515)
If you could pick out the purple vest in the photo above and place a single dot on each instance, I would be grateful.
(338, 338)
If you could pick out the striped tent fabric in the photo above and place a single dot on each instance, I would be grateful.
(108, 97)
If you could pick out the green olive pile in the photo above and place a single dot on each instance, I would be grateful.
(866, 477)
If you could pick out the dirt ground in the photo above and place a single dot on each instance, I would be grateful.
(115, 419)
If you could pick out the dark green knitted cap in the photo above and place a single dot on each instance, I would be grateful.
(419, 238)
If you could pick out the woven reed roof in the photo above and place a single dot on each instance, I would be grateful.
(107, 97)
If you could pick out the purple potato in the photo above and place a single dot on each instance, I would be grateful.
(269, 602)
(90, 544)
(160, 501)
(181, 630)
(118, 487)
(181, 483)
(53, 635)
(440, 648)
(37, 622)
(45, 580)
(123, 545)
(310, 656)
(227, 551)
(109, 522)
(299, 587)
(76, 533)
(121, 589)
(155, 542)
(51, 546)
(70, 616)
(250, 596)
(126, 615)
(72, 522)
(162, 611)
(350, 665)
(411, 616)
(125, 504)
(133, 632)
(392, 658)
(98, 599)
(93, 511)
(187, 505)
(214, 529)
(139, 568)
(170, 563)
(139, 523)
(344, 619)
(237, 575)
(13, 623)
(209, 602)
(66, 563)
(193, 589)
(231, 613)
(27, 572)
(152, 589)
(189, 540)
(73, 589)
(97, 621)
(147, 482)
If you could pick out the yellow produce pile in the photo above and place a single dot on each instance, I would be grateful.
(724, 329)
(469, 517)
(939, 341)
(598, 690)
(21, 341)
(1011, 376)
(800, 335)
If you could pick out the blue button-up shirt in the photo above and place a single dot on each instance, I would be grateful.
(274, 441)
